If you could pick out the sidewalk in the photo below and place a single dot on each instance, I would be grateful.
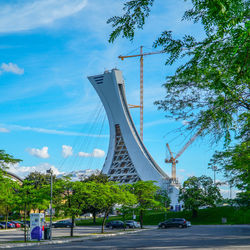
(66, 240)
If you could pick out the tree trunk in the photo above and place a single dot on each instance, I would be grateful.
(94, 218)
(194, 212)
(141, 218)
(72, 226)
(6, 217)
(103, 221)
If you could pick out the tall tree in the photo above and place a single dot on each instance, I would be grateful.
(8, 189)
(104, 196)
(145, 192)
(72, 199)
(94, 210)
(197, 192)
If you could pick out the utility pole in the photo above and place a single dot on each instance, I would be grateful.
(51, 195)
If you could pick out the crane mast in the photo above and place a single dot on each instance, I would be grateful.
(173, 160)
(141, 55)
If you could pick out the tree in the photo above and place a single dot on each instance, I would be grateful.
(40, 186)
(24, 200)
(72, 199)
(7, 186)
(8, 189)
(235, 164)
(100, 178)
(163, 198)
(210, 90)
(6, 159)
(197, 192)
(104, 196)
(145, 192)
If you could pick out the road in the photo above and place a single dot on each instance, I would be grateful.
(224, 237)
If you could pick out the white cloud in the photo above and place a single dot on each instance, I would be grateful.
(11, 68)
(4, 130)
(66, 151)
(97, 153)
(23, 171)
(40, 153)
(26, 15)
(53, 131)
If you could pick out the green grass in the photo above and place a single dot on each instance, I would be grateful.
(209, 216)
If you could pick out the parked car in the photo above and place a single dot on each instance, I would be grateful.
(62, 223)
(9, 224)
(2, 226)
(174, 222)
(188, 223)
(115, 224)
(23, 223)
(16, 223)
(132, 224)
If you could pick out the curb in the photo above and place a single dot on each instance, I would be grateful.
(62, 241)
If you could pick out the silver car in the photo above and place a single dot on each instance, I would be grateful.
(132, 224)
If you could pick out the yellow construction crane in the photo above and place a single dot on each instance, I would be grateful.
(141, 55)
(173, 159)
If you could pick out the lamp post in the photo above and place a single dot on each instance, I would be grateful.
(51, 192)
(214, 168)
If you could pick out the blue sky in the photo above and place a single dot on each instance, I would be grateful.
(49, 111)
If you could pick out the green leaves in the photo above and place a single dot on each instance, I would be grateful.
(7, 159)
(136, 12)
(199, 191)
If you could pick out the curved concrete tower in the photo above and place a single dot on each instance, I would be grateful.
(127, 160)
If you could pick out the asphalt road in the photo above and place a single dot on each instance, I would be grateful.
(197, 237)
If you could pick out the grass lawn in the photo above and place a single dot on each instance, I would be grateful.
(209, 216)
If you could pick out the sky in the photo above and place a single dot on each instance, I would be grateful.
(50, 115)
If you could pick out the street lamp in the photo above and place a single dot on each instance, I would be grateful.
(214, 168)
(50, 210)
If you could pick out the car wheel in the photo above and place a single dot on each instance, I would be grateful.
(111, 227)
(180, 226)
(163, 226)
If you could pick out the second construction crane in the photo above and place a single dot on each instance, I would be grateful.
(141, 55)
(173, 159)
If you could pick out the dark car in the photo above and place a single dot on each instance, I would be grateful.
(132, 224)
(9, 225)
(115, 224)
(174, 222)
(2, 226)
(62, 223)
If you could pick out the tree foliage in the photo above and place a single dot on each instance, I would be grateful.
(145, 192)
(6, 159)
(197, 192)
